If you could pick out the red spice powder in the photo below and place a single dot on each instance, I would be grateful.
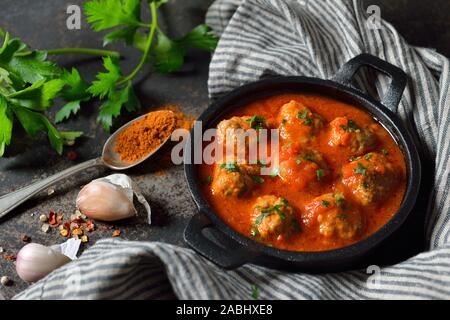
(145, 135)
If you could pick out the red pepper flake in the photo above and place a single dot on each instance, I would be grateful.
(25, 238)
(89, 226)
(77, 220)
(116, 233)
(9, 257)
(52, 219)
(66, 226)
(72, 155)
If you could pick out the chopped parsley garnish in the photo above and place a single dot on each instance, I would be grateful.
(350, 127)
(304, 115)
(276, 209)
(320, 173)
(262, 163)
(230, 166)
(288, 145)
(307, 158)
(298, 161)
(368, 156)
(342, 216)
(360, 170)
(261, 217)
(208, 180)
(354, 158)
(258, 179)
(257, 123)
(339, 198)
(325, 203)
(384, 152)
(254, 232)
(283, 122)
(284, 201)
(365, 185)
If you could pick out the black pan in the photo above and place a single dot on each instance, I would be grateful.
(207, 234)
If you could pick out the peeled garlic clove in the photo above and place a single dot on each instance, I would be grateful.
(35, 261)
(105, 201)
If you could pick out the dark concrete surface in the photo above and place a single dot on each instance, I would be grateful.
(42, 25)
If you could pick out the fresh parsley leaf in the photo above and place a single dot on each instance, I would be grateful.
(112, 107)
(368, 156)
(384, 152)
(69, 137)
(6, 125)
(75, 87)
(342, 216)
(39, 96)
(33, 122)
(25, 69)
(75, 92)
(168, 54)
(298, 161)
(106, 14)
(67, 110)
(360, 170)
(365, 184)
(200, 37)
(105, 85)
(230, 166)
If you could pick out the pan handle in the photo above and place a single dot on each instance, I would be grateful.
(399, 79)
(229, 256)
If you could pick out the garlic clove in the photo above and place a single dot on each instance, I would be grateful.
(35, 261)
(104, 201)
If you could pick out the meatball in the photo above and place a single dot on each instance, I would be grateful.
(333, 216)
(370, 178)
(298, 123)
(304, 166)
(273, 218)
(346, 133)
(231, 179)
(232, 125)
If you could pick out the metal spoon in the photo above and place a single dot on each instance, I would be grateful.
(109, 159)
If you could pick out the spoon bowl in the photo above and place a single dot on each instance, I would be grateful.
(112, 159)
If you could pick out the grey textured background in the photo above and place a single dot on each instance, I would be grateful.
(42, 25)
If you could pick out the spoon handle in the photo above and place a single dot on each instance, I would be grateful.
(11, 200)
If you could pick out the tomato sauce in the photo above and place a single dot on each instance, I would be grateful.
(236, 211)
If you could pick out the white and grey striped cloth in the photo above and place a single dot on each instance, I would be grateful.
(283, 37)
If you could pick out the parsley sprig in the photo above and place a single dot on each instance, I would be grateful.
(29, 82)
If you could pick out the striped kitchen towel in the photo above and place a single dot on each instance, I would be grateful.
(261, 38)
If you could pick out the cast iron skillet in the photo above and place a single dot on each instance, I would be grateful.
(229, 249)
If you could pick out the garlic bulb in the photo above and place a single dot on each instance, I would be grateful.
(105, 201)
(34, 261)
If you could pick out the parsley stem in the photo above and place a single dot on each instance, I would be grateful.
(87, 51)
(148, 44)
